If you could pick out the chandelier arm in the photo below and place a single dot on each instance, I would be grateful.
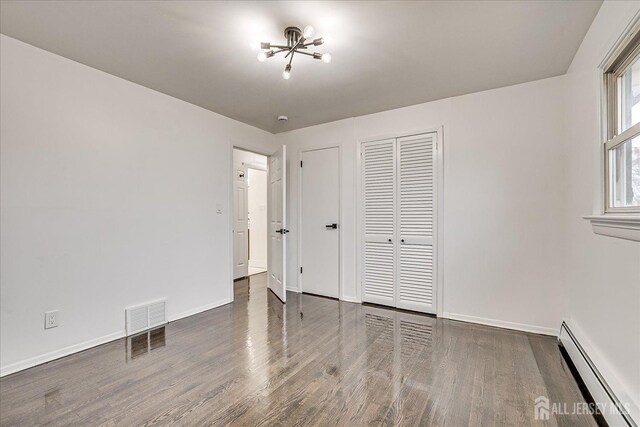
(304, 53)
(279, 46)
(293, 52)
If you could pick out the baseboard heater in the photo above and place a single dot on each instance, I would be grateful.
(614, 413)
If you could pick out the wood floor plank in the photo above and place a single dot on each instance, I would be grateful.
(313, 361)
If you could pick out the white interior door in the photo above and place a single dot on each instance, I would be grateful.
(378, 193)
(320, 214)
(277, 281)
(258, 230)
(416, 223)
(240, 223)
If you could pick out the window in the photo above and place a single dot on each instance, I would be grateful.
(622, 145)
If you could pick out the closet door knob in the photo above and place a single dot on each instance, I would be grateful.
(389, 240)
(402, 241)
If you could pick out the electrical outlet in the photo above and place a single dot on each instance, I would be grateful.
(51, 319)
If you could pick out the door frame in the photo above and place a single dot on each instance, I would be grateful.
(438, 202)
(340, 218)
(235, 146)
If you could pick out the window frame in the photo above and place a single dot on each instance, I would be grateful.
(619, 62)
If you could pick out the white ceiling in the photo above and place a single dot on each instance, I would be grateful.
(385, 54)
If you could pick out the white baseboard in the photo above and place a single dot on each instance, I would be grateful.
(502, 324)
(604, 388)
(200, 309)
(57, 354)
(66, 351)
(258, 264)
(351, 299)
(296, 290)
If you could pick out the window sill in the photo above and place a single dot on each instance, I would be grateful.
(620, 226)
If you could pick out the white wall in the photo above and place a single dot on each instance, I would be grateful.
(108, 198)
(602, 273)
(257, 204)
(503, 245)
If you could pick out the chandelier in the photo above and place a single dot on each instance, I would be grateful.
(296, 43)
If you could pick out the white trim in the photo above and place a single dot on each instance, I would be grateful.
(230, 219)
(604, 113)
(296, 290)
(620, 226)
(439, 205)
(57, 354)
(623, 40)
(351, 299)
(319, 147)
(438, 202)
(200, 309)
(623, 137)
(523, 327)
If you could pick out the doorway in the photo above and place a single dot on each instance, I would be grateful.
(250, 226)
(320, 226)
(251, 236)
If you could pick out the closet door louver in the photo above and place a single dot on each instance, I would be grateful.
(415, 207)
(378, 180)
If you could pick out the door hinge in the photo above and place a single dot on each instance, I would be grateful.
(300, 270)
(300, 163)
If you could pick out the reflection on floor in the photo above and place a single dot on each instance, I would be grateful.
(145, 342)
(315, 361)
(255, 270)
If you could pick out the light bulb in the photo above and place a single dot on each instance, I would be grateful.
(286, 74)
(262, 56)
(307, 32)
(326, 58)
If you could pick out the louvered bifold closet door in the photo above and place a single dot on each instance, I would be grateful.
(415, 204)
(378, 180)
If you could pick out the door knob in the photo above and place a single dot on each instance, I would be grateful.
(282, 231)
(331, 226)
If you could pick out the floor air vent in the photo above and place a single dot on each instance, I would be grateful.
(145, 316)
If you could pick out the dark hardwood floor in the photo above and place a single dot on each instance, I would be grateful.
(314, 361)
